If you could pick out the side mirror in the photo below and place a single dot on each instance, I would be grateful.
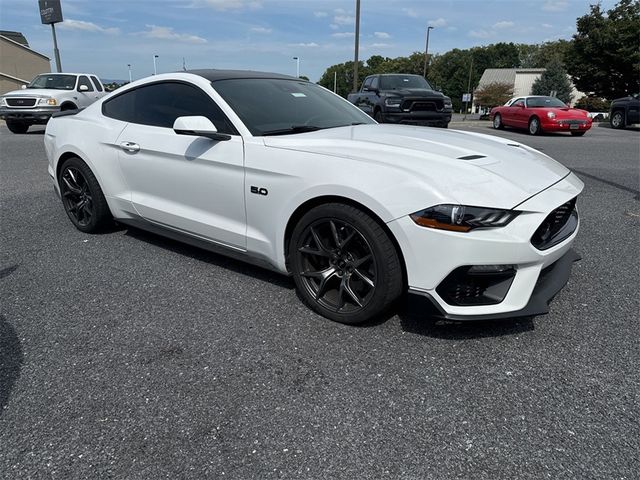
(23, 87)
(520, 105)
(371, 89)
(198, 126)
(83, 88)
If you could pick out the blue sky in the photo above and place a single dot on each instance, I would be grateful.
(104, 36)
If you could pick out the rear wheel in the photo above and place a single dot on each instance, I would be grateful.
(578, 134)
(344, 264)
(497, 122)
(18, 127)
(617, 120)
(82, 197)
(534, 126)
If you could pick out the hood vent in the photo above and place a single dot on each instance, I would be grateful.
(472, 157)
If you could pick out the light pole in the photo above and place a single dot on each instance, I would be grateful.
(129, 65)
(297, 59)
(426, 52)
(155, 69)
(356, 48)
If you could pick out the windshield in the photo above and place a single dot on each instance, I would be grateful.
(541, 102)
(55, 82)
(399, 82)
(280, 106)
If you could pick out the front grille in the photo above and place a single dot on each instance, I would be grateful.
(558, 226)
(21, 102)
(422, 105)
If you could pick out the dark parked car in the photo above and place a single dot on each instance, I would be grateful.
(625, 111)
(406, 99)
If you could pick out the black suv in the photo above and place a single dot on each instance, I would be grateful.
(625, 111)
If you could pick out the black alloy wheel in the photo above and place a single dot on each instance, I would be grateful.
(344, 265)
(377, 116)
(82, 197)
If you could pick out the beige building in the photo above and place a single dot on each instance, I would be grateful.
(522, 80)
(19, 63)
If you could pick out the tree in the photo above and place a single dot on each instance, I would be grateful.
(493, 94)
(554, 79)
(593, 104)
(605, 58)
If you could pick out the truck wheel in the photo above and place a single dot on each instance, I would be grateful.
(377, 116)
(617, 120)
(17, 127)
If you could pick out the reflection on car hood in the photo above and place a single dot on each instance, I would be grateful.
(414, 92)
(35, 92)
(468, 167)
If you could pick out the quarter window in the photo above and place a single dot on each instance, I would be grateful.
(367, 82)
(85, 81)
(159, 105)
(96, 82)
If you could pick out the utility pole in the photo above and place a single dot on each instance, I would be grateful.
(129, 65)
(426, 52)
(335, 80)
(155, 69)
(357, 47)
(50, 14)
(55, 48)
(468, 90)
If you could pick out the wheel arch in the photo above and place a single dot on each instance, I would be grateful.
(325, 199)
(68, 105)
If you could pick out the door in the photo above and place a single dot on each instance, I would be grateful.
(519, 114)
(86, 97)
(633, 112)
(189, 183)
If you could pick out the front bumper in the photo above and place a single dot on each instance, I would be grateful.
(432, 255)
(439, 119)
(40, 115)
(566, 125)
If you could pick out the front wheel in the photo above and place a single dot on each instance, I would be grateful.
(82, 197)
(17, 127)
(617, 120)
(344, 264)
(534, 126)
(497, 122)
(377, 116)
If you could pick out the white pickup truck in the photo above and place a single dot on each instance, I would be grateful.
(46, 94)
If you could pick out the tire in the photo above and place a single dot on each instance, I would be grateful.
(534, 126)
(344, 264)
(497, 122)
(377, 116)
(82, 197)
(578, 134)
(617, 120)
(18, 127)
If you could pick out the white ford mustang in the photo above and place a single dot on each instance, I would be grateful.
(283, 173)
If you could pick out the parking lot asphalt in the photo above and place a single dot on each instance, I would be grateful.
(125, 355)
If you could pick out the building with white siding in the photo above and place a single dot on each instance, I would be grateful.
(522, 80)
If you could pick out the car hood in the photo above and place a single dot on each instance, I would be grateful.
(35, 92)
(565, 113)
(462, 167)
(414, 92)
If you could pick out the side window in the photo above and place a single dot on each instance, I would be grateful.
(159, 104)
(517, 102)
(367, 82)
(85, 81)
(375, 82)
(96, 82)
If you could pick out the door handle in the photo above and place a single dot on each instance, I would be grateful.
(130, 147)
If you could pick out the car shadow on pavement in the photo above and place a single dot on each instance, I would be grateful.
(212, 258)
(448, 330)
(11, 359)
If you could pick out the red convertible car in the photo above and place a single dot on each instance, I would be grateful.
(541, 114)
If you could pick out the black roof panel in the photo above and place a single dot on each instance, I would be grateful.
(215, 75)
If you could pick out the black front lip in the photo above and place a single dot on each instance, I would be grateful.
(552, 279)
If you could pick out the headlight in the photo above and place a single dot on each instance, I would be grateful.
(3, 102)
(551, 115)
(48, 101)
(392, 102)
(461, 218)
(447, 103)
